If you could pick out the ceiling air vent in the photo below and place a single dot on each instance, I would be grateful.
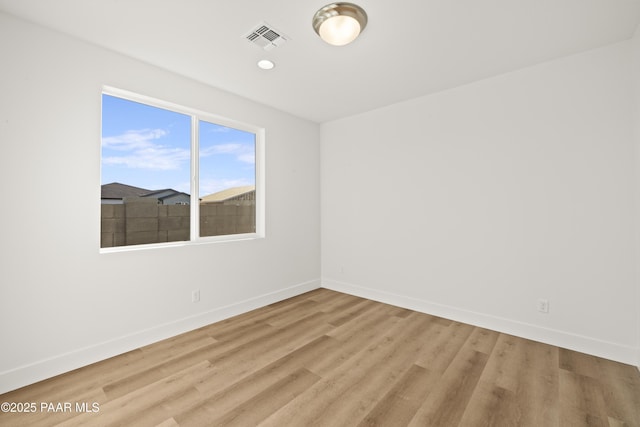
(267, 37)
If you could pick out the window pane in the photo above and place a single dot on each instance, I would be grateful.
(145, 174)
(227, 180)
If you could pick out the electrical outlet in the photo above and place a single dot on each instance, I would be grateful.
(543, 305)
(195, 295)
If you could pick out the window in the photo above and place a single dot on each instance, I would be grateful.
(172, 174)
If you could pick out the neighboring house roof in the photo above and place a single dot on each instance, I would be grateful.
(115, 190)
(164, 194)
(228, 194)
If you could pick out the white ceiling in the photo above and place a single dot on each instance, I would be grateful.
(409, 48)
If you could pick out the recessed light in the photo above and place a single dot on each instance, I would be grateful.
(265, 64)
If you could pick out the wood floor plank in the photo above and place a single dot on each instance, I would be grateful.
(353, 312)
(321, 295)
(367, 321)
(482, 340)
(491, 405)
(445, 343)
(341, 305)
(537, 385)
(338, 302)
(529, 372)
(401, 403)
(260, 315)
(620, 380)
(355, 336)
(284, 316)
(505, 362)
(352, 390)
(325, 358)
(581, 401)
(210, 404)
(244, 360)
(260, 406)
(155, 373)
(446, 404)
(157, 411)
(144, 399)
(578, 363)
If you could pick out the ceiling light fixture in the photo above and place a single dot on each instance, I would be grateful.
(265, 64)
(339, 23)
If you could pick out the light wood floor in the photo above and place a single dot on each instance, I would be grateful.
(326, 358)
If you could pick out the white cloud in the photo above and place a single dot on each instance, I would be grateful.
(218, 129)
(248, 158)
(142, 149)
(151, 158)
(133, 139)
(230, 148)
(144, 152)
(243, 152)
(184, 186)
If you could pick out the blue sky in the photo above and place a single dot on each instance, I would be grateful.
(150, 147)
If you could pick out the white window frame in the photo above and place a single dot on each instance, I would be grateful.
(196, 116)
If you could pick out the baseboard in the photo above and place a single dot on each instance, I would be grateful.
(32, 373)
(607, 350)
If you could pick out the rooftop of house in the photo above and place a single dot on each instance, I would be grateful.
(227, 194)
(116, 190)
(164, 193)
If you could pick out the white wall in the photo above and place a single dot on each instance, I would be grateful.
(475, 202)
(636, 85)
(62, 304)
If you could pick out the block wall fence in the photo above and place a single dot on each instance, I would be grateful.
(141, 221)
